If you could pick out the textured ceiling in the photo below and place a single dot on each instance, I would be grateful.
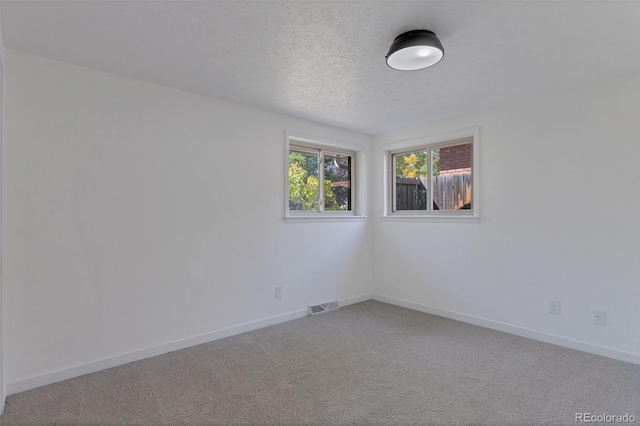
(324, 61)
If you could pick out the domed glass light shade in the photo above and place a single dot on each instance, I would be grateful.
(415, 50)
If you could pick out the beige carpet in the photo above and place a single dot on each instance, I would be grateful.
(367, 364)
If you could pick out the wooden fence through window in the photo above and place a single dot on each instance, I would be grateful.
(450, 192)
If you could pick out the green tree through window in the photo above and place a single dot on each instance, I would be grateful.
(304, 180)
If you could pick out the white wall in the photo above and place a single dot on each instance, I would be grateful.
(560, 199)
(2, 387)
(137, 215)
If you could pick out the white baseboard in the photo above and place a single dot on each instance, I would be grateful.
(94, 366)
(357, 299)
(513, 329)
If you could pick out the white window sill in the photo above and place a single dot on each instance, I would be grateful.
(430, 218)
(324, 218)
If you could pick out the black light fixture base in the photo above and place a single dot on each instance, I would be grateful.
(415, 49)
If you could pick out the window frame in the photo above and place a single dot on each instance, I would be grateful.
(461, 137)
(322, 148)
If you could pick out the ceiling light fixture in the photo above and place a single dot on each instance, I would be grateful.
(415, 50)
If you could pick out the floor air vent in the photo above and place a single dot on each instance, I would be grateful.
(324, 307)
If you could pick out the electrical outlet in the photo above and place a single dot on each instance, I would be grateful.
(278, 292)
(599, 317)
(554, 307)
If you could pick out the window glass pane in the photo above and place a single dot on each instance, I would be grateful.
(303, 181)
(452, 177)
(337, 182)
(411, 180)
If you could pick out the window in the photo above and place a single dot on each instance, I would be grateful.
(436, 178)
(320, 180)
